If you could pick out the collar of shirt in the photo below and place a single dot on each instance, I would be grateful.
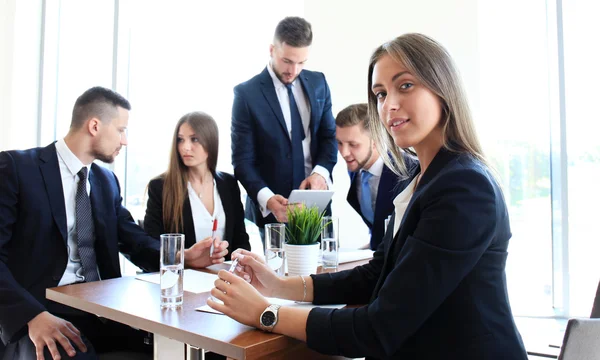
(276, 82)
(401, 203)
(71, 161)
(377, 168)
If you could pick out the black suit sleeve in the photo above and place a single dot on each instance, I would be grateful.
(141, 249)
(240, 236)
(327, 145)
(243, 146)
(457, 223)
(17, 305)
(153, 220)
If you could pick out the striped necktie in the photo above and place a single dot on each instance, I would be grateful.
(84, 223)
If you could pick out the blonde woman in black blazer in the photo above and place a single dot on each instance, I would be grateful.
(191, 194)
(436, 287)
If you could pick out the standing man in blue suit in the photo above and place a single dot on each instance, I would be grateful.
(282, 128)
(62, 222)
(373, 186)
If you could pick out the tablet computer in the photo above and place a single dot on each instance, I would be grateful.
(319, 198)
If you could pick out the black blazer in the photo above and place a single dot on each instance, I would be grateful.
(227, 186)
(390, 185)
(260, 144)
(33, 233)
(437, 290)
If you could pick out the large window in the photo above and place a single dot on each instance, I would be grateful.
(78, 54)
(582, 137)
(513, 120)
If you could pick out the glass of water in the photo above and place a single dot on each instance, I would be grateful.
(274, 254)
(330, 242)
(171, 270)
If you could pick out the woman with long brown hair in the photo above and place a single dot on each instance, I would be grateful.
(191, 196)
(436, 287)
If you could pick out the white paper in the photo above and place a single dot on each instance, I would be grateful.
(169, 279)
(208, 309)
(349, 255)
(193, 280)
(281, 302)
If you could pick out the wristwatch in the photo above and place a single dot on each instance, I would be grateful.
(268, 318)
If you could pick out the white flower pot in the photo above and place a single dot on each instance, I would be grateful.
(302, 259)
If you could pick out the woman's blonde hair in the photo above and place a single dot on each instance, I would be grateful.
(431, 64)
(176, 177)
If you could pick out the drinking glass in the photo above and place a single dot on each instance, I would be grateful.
(274, 253)
(330, 242)
(171, 270)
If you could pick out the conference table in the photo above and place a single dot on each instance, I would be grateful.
(186, 333)
(182, 333)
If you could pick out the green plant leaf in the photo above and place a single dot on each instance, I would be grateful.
(304, 225)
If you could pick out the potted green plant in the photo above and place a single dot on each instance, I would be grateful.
(303, 231)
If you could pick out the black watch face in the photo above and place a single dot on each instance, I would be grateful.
(268, 318)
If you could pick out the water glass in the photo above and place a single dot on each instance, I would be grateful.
(330, 242)
(274, 253)
(171, 270)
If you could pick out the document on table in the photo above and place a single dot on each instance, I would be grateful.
(349, 255)
(193, 280)
(281, 302)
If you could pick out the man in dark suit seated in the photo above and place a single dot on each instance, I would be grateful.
(62, 222)
(373, 186)
(282, 128)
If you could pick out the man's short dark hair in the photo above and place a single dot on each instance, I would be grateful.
(98, 102)
(352, 115)
(294, 31)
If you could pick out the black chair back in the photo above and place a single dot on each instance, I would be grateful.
(596, 307)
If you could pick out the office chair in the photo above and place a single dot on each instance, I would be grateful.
(581, 340)
(596, 307)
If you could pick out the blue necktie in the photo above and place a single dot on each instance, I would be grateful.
(297, 137)
(84, 223)
(366, 206)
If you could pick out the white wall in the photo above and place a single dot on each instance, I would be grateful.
(20, 24)
(345, 35)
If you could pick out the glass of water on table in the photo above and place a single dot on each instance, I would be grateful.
(330, 245)
(171, 270)
(274, 254)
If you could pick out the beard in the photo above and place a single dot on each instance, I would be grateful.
(105, 158)
(280, 75)
(362, 164)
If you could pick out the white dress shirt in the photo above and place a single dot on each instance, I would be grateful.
(203, 220)
(376, 170)
(265, 193)
(69, 166)
(401, 203)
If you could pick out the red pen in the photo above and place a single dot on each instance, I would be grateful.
(214, 233)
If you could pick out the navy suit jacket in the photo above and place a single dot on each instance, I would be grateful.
(261, 148)
(229, 192)
(436, 290)
(390, 185)
(33, 233)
